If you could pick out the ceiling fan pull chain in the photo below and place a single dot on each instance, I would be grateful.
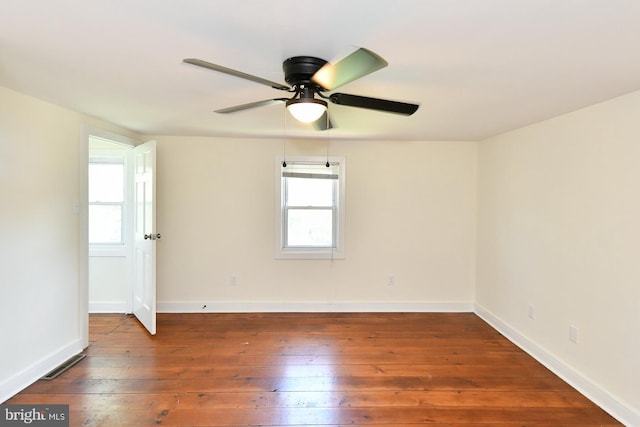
(284, 138)
(328, 140)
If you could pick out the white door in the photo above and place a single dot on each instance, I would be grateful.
(145, 235)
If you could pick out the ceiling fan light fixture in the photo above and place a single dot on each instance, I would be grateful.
(306, 110)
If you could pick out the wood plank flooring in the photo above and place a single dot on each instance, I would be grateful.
(355, 369)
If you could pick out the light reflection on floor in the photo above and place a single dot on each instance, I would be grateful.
(309, 387)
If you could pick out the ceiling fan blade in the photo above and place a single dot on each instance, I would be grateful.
(251, 105)
(323, 123)
(356, 65)
(396, 107)
(221, 69)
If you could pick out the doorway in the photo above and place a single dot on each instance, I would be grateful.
(117, 269)
(110, 218)
(123, 142)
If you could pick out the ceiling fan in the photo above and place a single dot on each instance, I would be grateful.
(309, 78)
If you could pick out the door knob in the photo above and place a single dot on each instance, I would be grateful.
(152, 236)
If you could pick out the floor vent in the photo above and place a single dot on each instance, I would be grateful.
(62, 368)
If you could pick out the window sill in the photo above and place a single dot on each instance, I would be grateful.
(107, 251)
(308, 254)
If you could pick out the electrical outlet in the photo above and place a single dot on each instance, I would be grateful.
(233, 280)
(573, 334)
(532, 311)
(391, 280)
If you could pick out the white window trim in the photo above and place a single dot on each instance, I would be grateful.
(310, 253)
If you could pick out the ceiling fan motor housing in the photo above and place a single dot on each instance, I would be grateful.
(299, 70)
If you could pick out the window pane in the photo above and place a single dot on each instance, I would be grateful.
(309, 192)
(105, 224)
(308, 227)
(106, 182)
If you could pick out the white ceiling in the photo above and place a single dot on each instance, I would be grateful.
(477, 67)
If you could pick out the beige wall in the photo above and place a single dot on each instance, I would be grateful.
(559, 228)
(39, 149)
(109, 284)
(409, 212)
(41, 269)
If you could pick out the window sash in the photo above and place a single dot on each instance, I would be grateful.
(101, 170)
(93, 240)
(286, 208)
(309, 192)
(117, 200)
(286, 227)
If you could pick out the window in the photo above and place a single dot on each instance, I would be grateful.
(106, 201)
(310, 208)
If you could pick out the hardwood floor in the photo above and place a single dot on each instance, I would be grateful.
(383, 369)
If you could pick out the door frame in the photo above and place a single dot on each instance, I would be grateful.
(82, 209)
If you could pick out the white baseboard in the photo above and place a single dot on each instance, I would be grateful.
(584, 385)
(33, 373)
(311, 307)
(108, 307)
